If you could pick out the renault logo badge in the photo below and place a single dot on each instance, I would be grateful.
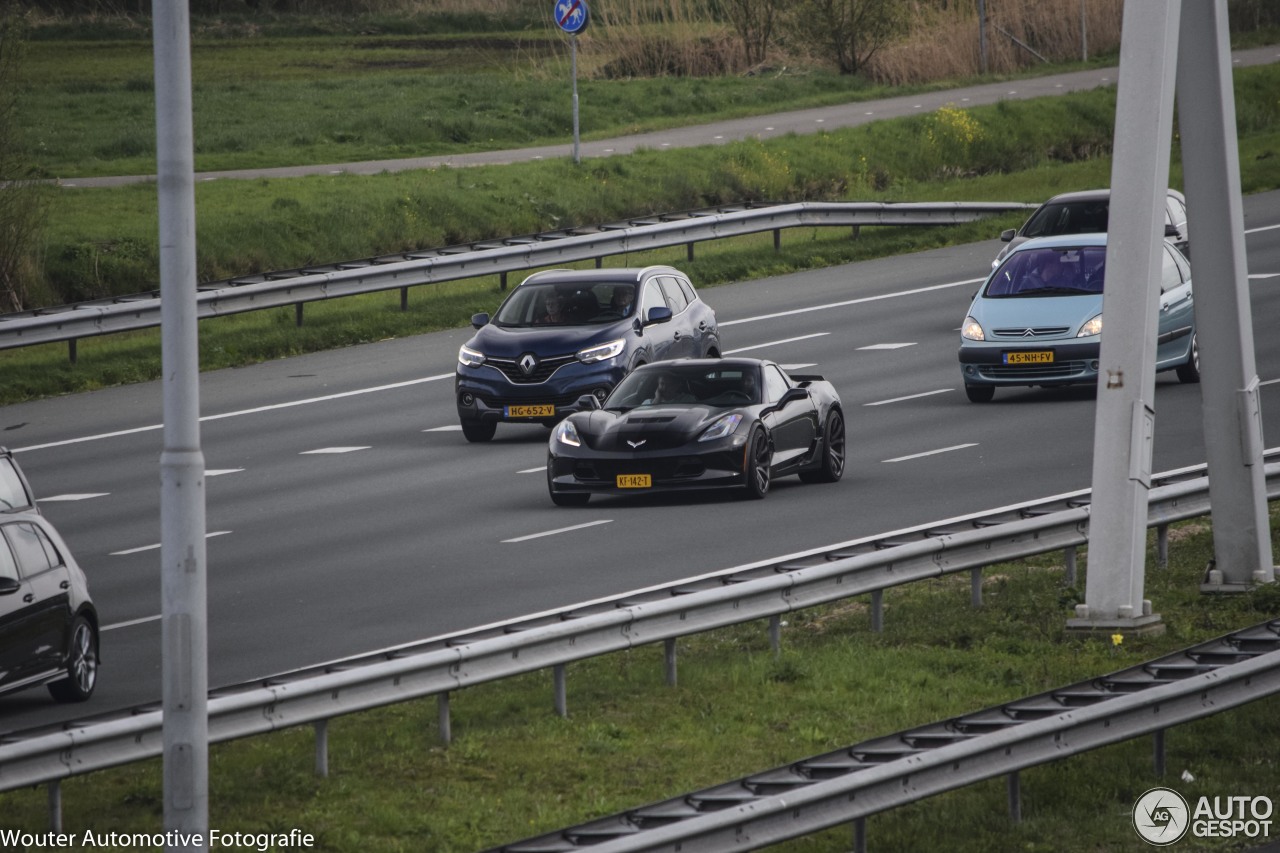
(528, 363)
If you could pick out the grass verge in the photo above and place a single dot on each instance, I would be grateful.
(515, 769)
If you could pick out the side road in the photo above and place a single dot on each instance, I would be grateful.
(756, 127)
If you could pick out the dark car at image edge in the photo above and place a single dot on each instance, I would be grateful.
(562, 334)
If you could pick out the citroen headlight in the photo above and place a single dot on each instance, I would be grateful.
(566, 433)
(1091, 328)
(722, 427)
(603, 352)
(972, 330)
(468, 357)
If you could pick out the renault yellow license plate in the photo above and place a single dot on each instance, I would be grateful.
(538, 411)
(635, 481)
(1041, 357)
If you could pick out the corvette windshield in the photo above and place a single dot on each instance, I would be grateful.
(567, 304)
(718, 387)
(1050, 272)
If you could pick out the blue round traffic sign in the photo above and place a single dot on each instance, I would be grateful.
(571, 15)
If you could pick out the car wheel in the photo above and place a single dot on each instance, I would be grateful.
(1190, 371)
(477, 431)
(979, 393)
(82, 665)
(831, 466)
(757, 463)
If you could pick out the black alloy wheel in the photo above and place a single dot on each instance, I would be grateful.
(831, 466)
(82, 665)
(1190, 370)
(757, 463)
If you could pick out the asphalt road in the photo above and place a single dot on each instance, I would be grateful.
(346, 513)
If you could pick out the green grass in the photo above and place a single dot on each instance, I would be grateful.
(515, 769)
(102, 242)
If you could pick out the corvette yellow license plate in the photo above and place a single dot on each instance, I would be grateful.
(635, 481)
(1028, 357)
(539, 411)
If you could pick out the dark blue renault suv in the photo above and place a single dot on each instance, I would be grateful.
(565, 333)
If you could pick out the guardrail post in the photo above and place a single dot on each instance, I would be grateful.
(55, 806)
(975, 587)
(446, 729)
(1070, 555)
(857, 232)
(1157, 749)
(322, 748)
(599, 261)
(877, 610)
(297, 315)
(71, 350)
(669, 656)
(562, 704)
(688, 247)
(860, 835)
(502, 281)
(775, 634)
(1162, 546)
(777, 239)
(404, 299)
(1015, 797)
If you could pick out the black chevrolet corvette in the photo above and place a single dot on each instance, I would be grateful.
(699, 424)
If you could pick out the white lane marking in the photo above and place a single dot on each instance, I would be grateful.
(157, 545)
(1261, 275)
(218, 472)
(909, 397)
(774, 343)
(560, 530)
(332, 450)
(73, 497)
(450, 428)
(255, 411)
(1269, 382)
(1261, 228)
(931, 452)
(887, 346)
(132, 622)
(532, 470)
(857, 301)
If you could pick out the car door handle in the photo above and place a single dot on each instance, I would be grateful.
(65, 585)
(677, 337)
(28, 598)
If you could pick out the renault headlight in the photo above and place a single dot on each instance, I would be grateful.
(602, 352)
(468, 357)
(1091, 328)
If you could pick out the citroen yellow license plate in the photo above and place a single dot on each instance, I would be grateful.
(538, 411)
(1041, 357)
(635, 481)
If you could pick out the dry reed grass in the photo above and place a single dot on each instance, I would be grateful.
(944, 43)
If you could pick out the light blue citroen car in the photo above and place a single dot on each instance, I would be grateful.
(1038, 317)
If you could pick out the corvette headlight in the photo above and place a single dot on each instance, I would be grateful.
(1091, 328)
(722, 427)
(468, 357)
(567, 433)
(972, 330)
(603, 352)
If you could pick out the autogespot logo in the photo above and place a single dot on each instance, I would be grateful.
(1161, 817)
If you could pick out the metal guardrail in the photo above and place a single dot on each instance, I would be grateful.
(500, 256)
(768, 590)
(850, 784)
